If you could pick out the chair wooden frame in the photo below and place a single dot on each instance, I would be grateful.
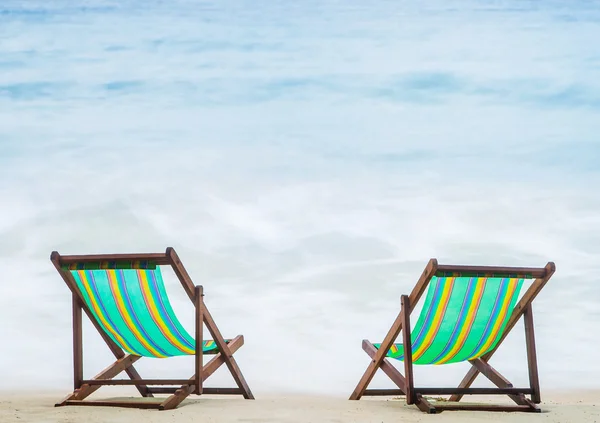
(223, 354)
(415, 395)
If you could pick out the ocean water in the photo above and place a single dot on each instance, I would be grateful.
(305, 159)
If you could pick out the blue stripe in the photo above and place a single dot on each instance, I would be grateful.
(453, 284)
(506, 316)
(121, 280)
(92, 280)
(436, 298)
(501, 293)
(462, 316)
(164, 313)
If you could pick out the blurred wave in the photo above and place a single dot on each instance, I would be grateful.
(305, 160)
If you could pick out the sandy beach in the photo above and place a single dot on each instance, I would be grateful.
(39, 407)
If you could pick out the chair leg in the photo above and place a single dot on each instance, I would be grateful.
(226, 353)
(534, 381)
(386, 366)
(217, 361)
(77, 343)
(496, 378)
(111, 371)
(424, 405)
(198, 356)
(377, 359)
(174, 400)
(408, 365)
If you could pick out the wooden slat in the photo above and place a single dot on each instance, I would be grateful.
(127, 404)
(483, 407)
(158, 258)
(223, 391)
(489, 271)
(205, 391)
(119, 382)
(383, 392)
(471, 391)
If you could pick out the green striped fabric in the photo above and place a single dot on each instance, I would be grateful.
(131, 305)
(462, 319)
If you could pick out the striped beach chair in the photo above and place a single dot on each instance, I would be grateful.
(125, 299)
(467, 313)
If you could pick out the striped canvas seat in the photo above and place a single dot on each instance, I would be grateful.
(462, 319)
(131, 305)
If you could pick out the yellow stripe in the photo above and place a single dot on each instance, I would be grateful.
(145, 286)
(100, 315)
(118, 296)
(512, 285)
(471, 314)
(437, 320)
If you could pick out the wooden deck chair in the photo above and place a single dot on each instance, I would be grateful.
(125, 299)
(467, 313)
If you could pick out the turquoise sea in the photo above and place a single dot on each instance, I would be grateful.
(305, 159)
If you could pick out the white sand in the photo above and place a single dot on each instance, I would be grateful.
(39, 407)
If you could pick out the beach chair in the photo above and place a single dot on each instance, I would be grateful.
(467, 313)
(125, 299)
